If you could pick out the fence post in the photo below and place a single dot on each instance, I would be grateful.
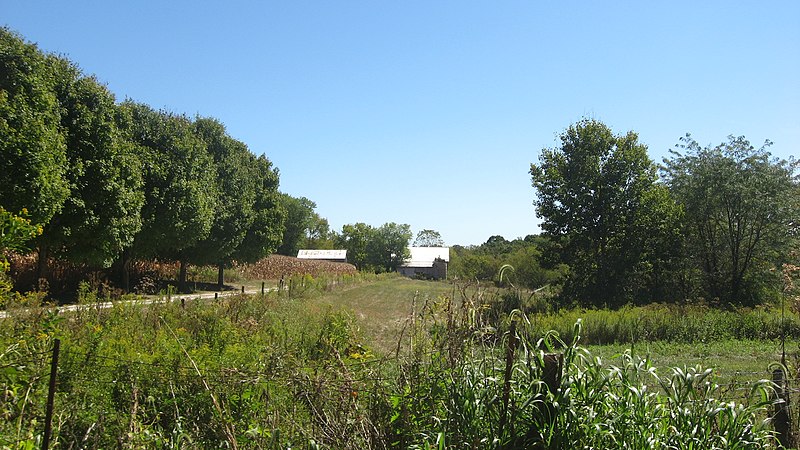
(262, 287)
(553, 364)
(781, 419)
(51, 395)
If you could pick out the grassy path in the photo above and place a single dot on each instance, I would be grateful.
(382, 307)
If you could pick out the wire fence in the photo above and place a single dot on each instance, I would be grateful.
(345, 377)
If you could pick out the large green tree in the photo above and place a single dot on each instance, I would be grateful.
(428, 238)
(237, 188)
(597, 195)
(266, 231)
(33, 161)
(741, 214)
(319, 235)
(355, 238)
(180, 185)
(299, 219)
(388, 248)
(101, 216)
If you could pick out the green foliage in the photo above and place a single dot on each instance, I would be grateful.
(247, 221)
(355, 238)
(110, 182)
(305, 229)
(233, 213)
(265, 232)
(497, 397)
(388, 247)
(428, 238)
(299, 219)
(34, 161)
(381, 249)
(598, 197)
(102, 214)
(483, 262)
(16, 231)
(741, 213)
(179, 181)
(276, 372)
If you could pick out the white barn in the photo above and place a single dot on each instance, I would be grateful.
(323, 255)
(426, 262)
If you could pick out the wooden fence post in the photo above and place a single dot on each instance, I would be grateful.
(553, 365)
(781, 420)
(51, 395)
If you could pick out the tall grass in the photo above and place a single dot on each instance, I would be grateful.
(495, 396)
(694, 322)
(281, 371)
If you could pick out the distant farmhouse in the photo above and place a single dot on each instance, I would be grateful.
(427, 262)
(323, 255)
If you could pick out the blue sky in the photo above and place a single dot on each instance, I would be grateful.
(430, 113)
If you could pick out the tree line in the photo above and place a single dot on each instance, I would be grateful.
(716, 222)
(713, 222)
(109, 181)
(99, 183)
(376, 249)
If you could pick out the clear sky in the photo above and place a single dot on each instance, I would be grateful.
(430, 112)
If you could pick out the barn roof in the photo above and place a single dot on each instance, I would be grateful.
(425, 256)
(322, 254)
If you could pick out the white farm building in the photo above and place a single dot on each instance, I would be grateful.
(426, 262)
(323, 255)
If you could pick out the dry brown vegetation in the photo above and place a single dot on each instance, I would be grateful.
(276, 266)
(63, 277)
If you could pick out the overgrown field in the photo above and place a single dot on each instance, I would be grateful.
(385, 362)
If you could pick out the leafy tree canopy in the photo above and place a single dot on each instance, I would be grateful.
(596, 194)
(179, 182)
(388, 248)
(299, 219)
(34, 162)
(428, 238)
(741, 214)
(101, 216)
(266, 231)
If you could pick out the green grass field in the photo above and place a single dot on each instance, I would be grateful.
(383, 307)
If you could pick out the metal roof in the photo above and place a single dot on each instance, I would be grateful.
(322, 254)
(424, 256)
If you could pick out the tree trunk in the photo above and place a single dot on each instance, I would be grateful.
(41, 265)
(220, 276)
(126, 270)
(182, 277)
